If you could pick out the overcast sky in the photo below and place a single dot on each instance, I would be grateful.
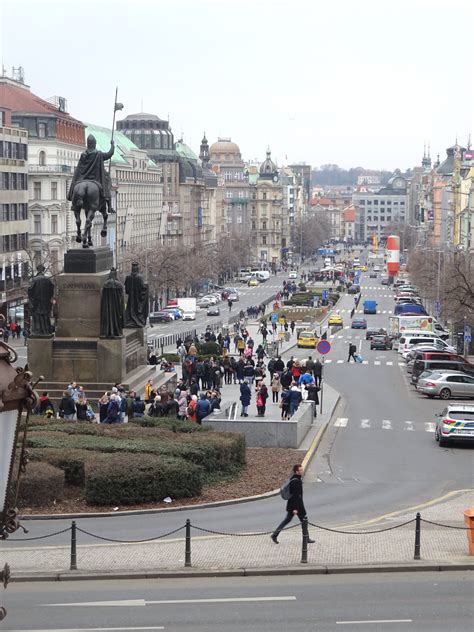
(353, 83)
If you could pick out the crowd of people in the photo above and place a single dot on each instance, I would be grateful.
(14, 331)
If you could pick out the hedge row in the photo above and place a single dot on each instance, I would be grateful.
(218, 451)
(42, 484)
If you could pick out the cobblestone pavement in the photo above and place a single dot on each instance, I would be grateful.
(211, 551)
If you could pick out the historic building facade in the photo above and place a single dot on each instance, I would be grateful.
(376, 211)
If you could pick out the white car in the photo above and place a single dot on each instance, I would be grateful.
(189, 315)
(293, 275)
(211, 299)
(203, 303)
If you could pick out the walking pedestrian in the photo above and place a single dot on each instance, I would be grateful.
(295, 399)
(352, 351)
(292, 327)
(262, 396)
(295, 505)
(318, 372)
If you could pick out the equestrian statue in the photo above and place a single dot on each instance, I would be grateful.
(90, 190)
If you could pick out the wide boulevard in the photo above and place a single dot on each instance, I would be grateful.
(421, 602)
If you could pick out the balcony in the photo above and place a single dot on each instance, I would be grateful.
(238, 200)
(49, 169)
(13, 162)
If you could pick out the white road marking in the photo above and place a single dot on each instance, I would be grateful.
(346, 327)
(339, 337)
(390, 311)
(377, 362)
(365, 423)
(327, 361)
(365, 362)
(127, 629)
(340, 361)
(341, 422)
(429, 427)
(389, 363)
(125, 602)
(402, 364)
(374, 621)
(331, 337)
(386, 424)
(409, 425)
(384, 311)
(223, 600)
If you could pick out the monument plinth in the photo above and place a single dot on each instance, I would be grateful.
(77, 352)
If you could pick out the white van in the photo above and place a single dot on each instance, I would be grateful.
(261, 275)
(407, 340)
(396, 346)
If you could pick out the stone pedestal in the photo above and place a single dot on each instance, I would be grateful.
(76, 352)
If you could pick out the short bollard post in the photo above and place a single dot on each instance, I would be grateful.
(417, 536)
(73, 566)
(304, 550)
(187, 554)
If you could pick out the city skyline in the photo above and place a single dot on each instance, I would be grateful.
(260, 75)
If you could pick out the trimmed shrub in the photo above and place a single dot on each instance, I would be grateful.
(209, 349)
(131, 479)
(42, 484)
(175, 425)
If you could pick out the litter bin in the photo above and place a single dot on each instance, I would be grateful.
(469, 522)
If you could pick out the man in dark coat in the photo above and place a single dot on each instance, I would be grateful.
(245, 396)
(91, 167)
(203, 408)
(317, 372)
(352, 352)
(295, 505)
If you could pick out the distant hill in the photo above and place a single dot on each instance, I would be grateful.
(333, 175)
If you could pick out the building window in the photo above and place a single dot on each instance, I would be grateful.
(264, 225)
(42, 159)
(228, 193)
(241, 194)
(227, 175)
(37, 190)
(254, 227)
(54, 190)
(54, 224)
(264, 195)
(41, 130)
(37, 225)
(264, 240)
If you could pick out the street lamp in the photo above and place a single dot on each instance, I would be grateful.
(16, 395)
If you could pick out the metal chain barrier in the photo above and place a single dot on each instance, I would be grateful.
(397, 526)
(158, 537)
(240, 535)
(39, 537)
(447, 526)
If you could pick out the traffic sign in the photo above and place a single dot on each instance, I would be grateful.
(467, 333)
(325, 295)
(323, 347)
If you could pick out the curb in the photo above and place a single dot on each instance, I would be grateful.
(404, 567)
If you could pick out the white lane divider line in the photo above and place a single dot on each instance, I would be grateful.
(388, 363)
(377, 362)
(346, 327)
(374, 621)
(365, 362)
(341, 422)
(386, 424)
(429, 426)
(409, 425)
(365, 423)
(402, 364)
(340, 361)
(327, 361)
(384, 311)
(339, 337)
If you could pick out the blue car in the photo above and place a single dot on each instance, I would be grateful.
(359, 323)
(176, 311)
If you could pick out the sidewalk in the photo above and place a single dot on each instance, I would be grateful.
(213, 552)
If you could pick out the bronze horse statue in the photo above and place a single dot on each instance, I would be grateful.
(90, 190)
(86, 195)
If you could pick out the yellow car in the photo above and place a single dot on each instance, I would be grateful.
(307, 339)
(364, 268)
(253, 282)
(335, 319)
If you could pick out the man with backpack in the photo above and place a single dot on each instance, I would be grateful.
(292, 492)
(352, 352)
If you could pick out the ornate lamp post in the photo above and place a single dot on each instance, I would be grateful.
(16, 396)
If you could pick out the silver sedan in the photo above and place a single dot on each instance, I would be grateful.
(447, 385)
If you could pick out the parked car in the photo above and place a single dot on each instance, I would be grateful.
(211, 299)
(213, 310)
(447, 385)
(380, 342)
(359, 323)
(440, 365)
(203, 303)
(189, 315)
(385, 281)
(373, 275)
(435, 347)
(160, 317)
(293, 274)
(456, 422)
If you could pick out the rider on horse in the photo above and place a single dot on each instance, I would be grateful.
(91, 167)
(90, 189)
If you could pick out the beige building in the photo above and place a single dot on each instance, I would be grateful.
(269, 220)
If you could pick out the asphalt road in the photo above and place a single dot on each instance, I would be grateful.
(434, 602)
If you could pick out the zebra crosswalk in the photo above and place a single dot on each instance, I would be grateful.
(366, 362)
(361, 311)
(384, 424)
